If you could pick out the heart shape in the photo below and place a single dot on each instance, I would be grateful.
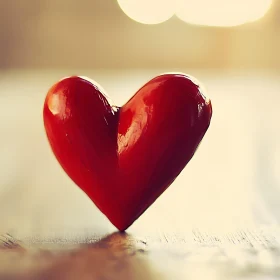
(125, 157)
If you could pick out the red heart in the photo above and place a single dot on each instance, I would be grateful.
(125, 158)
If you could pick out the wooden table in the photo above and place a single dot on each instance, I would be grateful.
(244, 254)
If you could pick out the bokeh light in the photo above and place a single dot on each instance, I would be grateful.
(225, 13)
(221, 12)
(148, 11)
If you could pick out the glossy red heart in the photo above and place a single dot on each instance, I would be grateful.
(125, 157)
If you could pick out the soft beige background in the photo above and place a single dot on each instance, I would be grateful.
(97, 34)
(232, 181)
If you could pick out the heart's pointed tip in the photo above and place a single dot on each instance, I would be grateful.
(121, 226)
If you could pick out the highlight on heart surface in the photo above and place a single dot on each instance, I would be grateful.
(125, 157)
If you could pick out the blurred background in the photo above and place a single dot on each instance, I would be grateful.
(231, 46)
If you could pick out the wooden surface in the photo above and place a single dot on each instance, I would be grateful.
(219, 220)
(243, 254)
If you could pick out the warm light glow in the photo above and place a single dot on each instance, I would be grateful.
(199, 12)
(221, 12)
(148, 11)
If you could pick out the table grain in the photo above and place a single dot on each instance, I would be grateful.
(243, 254)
